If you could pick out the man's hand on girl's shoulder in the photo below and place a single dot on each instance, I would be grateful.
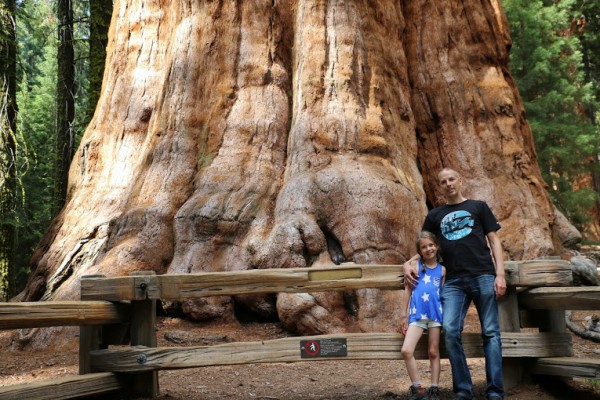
(411, 272)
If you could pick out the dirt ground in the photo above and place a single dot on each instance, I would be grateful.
(281, 381)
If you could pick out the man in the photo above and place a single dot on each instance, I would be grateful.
(465, 228)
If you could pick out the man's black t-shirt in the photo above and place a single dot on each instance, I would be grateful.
(461, 229)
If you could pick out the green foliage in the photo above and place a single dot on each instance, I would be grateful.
(547, 62)
(37, 48)
(587, 14)
(594, 384)
(38, 42)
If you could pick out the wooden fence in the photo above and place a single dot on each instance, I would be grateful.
(122, 310)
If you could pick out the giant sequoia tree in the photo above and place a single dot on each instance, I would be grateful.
(232, 135)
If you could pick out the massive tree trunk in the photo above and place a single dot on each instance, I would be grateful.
(232, 135)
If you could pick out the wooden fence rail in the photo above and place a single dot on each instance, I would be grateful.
(567, 366)
(61, 313)
(359, 346)
(293, 280)
(561, 298)
(72, 387)
(128, 306)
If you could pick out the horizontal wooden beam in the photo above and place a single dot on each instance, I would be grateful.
(293, 280)
(561, 298)
(72, 387)
(60, 313)
(567, 366)
(551, 272)
(360, 346)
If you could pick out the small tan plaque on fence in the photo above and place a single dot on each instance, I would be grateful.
(334, 274)
(323, 348)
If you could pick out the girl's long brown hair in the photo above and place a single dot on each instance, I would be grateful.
(428, 235)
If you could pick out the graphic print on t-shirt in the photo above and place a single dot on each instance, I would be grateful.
(457, 225)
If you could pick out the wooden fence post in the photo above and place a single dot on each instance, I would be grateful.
(90, 338)
(143, 333)
(508, 308)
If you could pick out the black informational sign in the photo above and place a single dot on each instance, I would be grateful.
(323, 348)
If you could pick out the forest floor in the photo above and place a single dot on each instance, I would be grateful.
(333, 380)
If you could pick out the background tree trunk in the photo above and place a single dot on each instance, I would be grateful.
(259, 134)
(65, 103)
(8, 148)
(100, 16)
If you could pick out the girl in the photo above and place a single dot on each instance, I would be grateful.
(424, 310)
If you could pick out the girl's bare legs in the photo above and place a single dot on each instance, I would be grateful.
(413, 334)
(434, 354)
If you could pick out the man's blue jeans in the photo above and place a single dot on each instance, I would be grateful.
(457, 295)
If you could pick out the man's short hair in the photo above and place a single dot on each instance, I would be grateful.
(448, 169)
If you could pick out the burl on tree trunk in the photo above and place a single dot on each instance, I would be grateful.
(232, 135)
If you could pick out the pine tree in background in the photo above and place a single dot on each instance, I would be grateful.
(37, 96)
(36, 33)
(587, 25)
(547, 64)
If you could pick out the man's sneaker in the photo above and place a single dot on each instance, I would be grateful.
(416, 393)
(433, 393)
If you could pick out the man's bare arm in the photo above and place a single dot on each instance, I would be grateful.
(411, 270)
(496, 246)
